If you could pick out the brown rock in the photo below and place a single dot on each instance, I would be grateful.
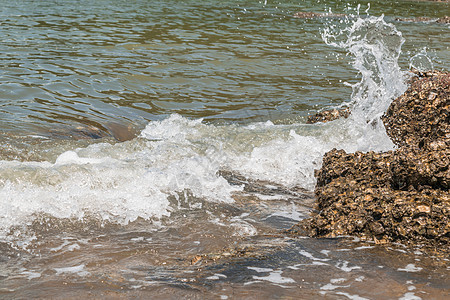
(444, 20)
(400, 195)
(362, 201)
(421, 168)
(422, 114)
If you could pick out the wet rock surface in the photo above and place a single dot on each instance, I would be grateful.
(328, 115)
(414, 168)
(396, 196)
(422, 114)
(359, 194)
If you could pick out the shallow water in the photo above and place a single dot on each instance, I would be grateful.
(159, 149)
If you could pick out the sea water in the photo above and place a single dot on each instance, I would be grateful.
(145, 144)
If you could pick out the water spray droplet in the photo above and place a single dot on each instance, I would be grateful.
(421, 61)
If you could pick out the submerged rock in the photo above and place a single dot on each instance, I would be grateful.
(401, 195)
(117, 131)
(313, 15)
(443, 20)
(328, 115)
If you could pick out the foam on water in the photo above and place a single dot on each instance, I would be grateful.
(79, 270)
(114, 182)
(275, 277)
(410, 268)
(135, 179)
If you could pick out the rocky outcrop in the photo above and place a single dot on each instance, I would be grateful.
(368, 195)
(401, 195)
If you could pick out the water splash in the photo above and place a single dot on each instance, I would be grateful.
(375, 46)
(421, 61)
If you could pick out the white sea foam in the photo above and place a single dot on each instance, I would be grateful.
(410, 268)
(216, 276)
(343, 265)
(56, 249)
(78, 270)
(260, 270)
(118, 182)
(275, 277)
(310, 256)
(364, 247)
(338, 280)
(31, 275)
(351, 297)
(409, 296)
(329, 287)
